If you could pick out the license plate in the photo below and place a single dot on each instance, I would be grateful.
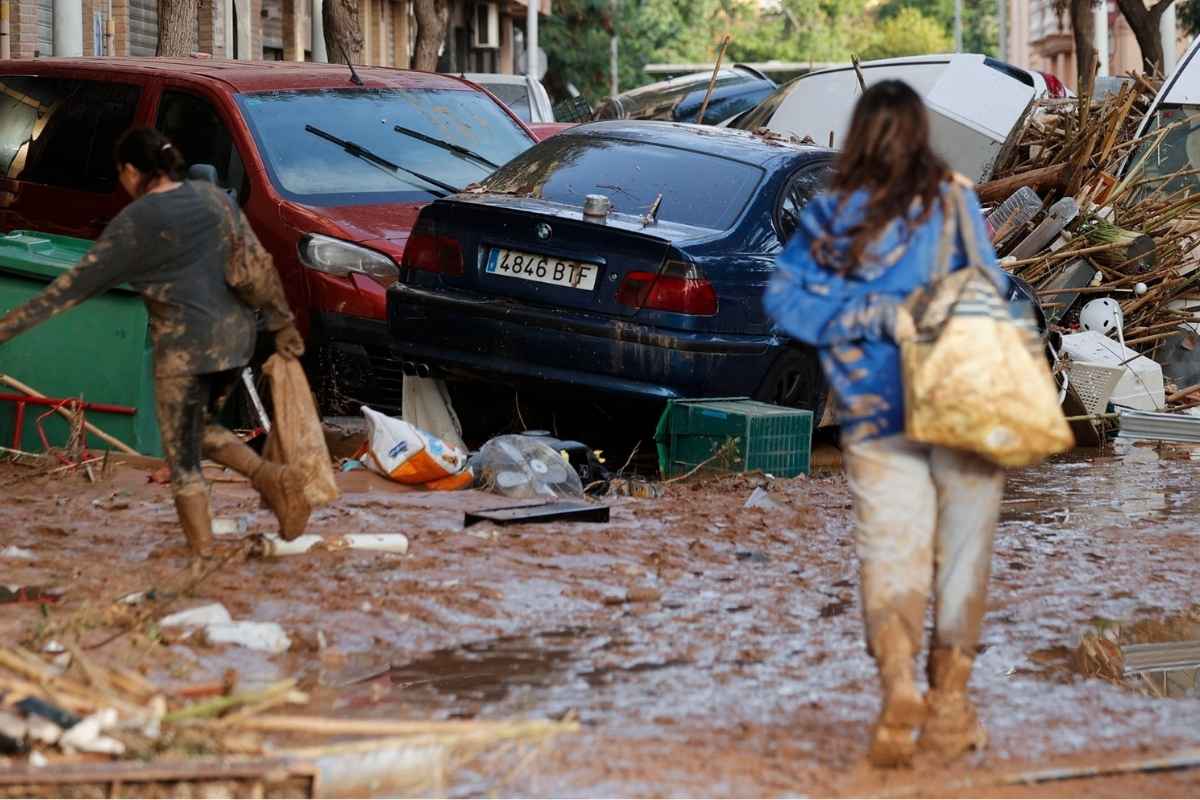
(542, 269)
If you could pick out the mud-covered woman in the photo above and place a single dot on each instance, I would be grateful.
(925, 516)
(202, 273)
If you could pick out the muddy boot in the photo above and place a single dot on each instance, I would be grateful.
(282, 490)
(281, 487)
(953, 727)
(903, 711)
(195, 518)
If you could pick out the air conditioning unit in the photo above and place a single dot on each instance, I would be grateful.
(487, 26)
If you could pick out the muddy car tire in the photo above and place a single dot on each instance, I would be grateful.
(797, 381)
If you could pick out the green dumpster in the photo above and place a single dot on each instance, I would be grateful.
(99, 351)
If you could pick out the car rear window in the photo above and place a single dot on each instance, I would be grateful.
(513, 95)
(314, 170)
(697, 188)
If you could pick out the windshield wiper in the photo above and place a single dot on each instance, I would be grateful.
(450, 146)
(357, 150)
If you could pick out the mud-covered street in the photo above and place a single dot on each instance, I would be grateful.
(705, 648)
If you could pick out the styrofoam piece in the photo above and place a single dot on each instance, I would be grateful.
(266, 636)
(198, 617)
(1141, 387)
(17, 552)
(230, 526)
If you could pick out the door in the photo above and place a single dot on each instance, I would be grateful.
(195, 127)
(45, 27)
(143, 27)
(56, 152)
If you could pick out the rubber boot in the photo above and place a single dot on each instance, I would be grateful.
(953, 726)
(281, 487)
(195, 517)
(893, 741)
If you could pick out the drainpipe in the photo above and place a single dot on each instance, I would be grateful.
(318, 32)
(531, 38)
(68, 27)
(5, 39)
(958, 29)
(1100, 15)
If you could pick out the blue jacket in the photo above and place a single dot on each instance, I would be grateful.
(849, 317)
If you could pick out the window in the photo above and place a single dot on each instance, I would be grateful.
(61, 132)
(697, 188)
(312, 169)
(799, 189)
(513, 95)
(192, 125)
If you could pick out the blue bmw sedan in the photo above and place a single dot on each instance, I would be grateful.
(620, 257)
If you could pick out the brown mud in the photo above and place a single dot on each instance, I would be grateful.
(706, 648)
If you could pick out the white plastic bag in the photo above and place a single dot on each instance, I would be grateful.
(427, 407)
(397, 450)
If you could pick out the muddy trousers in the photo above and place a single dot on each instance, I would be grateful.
(926, 518)
(187, 406)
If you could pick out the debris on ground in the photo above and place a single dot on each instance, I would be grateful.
(401, 452)
(523, 468)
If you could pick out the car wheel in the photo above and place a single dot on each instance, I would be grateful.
(796, 380)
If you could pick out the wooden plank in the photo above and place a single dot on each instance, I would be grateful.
(272, 770)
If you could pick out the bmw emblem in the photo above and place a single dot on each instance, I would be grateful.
(544, 231)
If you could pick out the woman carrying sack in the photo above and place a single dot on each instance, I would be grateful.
(925, 515)
(190, 252)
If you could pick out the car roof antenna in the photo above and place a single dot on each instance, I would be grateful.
(357, 81)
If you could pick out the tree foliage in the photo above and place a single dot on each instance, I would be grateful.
(980, 28)
(908, 33)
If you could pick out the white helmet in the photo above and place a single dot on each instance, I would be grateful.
(1103, 316)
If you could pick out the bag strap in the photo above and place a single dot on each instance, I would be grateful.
(957, 226)
(966, 229)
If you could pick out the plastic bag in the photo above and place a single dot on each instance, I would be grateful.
(296, 436)
(524, 467)
(403, 453)
(427, 407)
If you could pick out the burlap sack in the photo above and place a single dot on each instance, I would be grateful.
(296, 436)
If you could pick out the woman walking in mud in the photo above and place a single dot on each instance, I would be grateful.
(190, 252)
(926, 516)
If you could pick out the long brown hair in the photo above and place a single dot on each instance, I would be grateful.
(887, 153)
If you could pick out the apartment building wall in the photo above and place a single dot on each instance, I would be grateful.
(277, 30)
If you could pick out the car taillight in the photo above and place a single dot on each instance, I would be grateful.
(679, 288)
(429, 252)
(1054, 87)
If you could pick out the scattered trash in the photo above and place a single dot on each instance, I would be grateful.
(352, 464)
(550, 512)
(225, 526)
(266, 636)
(29, 594)
(212, 614)
(427, 407)
(588, 463)
(117, 501)
(12, 551)
(632, 487)
(397, 450)
(1159, 426)
(525, 467)
(270, 546)
(760, 498)
(87, 735)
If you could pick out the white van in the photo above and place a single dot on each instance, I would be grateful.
(975, 103)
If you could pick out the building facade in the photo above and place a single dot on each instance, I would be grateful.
(1040, 38)
(482, 35)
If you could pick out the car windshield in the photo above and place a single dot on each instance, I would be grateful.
(1172, 165)
(513, 95)
(697, 189)
(310, 170)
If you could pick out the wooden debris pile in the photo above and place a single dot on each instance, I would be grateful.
(111, 725)
(1133, 205)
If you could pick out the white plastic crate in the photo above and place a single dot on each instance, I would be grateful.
(1094, 384)
(1141, 382)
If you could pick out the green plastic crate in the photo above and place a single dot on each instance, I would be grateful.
(100, 350)
(772, 439)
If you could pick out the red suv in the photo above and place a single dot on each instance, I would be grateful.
(331, 167)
